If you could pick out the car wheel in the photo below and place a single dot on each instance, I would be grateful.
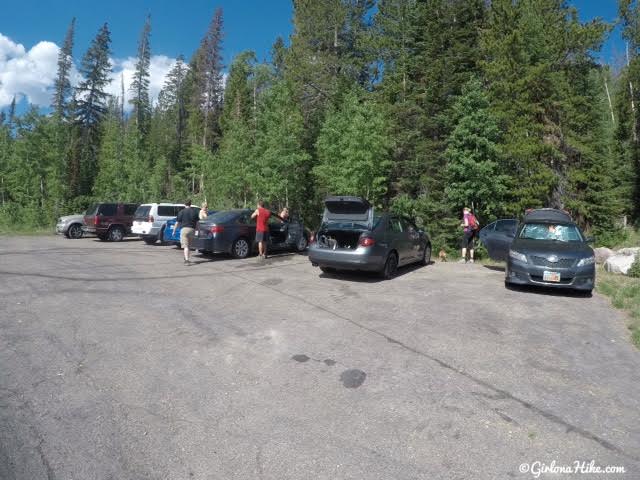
(302, 244)
(149, 240)
(74, 231)
(426, 256)
(390, 266)
(240, 248)
(116, 234)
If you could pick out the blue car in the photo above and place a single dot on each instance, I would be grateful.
(171, 238)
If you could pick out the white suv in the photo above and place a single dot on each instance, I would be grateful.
(150, 219)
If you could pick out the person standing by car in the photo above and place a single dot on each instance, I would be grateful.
(204, 211)
(187, 219)
(469, 226)
(262, 215)
(284, 215)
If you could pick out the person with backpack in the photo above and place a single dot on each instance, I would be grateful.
(470, 227)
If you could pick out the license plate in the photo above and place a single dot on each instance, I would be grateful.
(551, 276)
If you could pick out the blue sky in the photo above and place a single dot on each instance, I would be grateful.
(177, 26)
(31, 30)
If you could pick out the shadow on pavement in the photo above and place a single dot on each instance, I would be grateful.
(369, 277)
(495, 268)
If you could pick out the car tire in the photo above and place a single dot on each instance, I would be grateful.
(390, 266)
(74, 231)
(116, 234)
(240, 248)
(426, 255)
(302, 244)
(149, 240)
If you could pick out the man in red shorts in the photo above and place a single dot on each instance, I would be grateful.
(262, 215)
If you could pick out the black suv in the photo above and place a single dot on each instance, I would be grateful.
(109, 221)
(547, 248)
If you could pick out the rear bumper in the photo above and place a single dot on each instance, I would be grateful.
(361, 258)
(145, 230)
(577, 278)
(212, 245)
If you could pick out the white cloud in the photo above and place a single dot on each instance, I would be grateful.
(27, 73)
(31, 73)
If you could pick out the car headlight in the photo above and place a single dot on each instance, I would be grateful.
(518, 256)
(587, 261)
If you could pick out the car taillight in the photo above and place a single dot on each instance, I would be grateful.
(150, 219)
(216, 229)
(366, 242)
(97, 220)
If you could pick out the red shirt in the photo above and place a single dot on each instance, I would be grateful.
(263, 218)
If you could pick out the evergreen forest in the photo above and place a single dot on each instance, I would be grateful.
(421, 106)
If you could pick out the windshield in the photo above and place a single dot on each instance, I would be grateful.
(551, 231)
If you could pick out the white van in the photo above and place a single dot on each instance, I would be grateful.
(150, 219)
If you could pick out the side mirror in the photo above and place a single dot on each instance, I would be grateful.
(591, 239)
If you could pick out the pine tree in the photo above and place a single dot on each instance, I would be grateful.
(62, 85)
(91, 107)
(168, 133)
(535, 51)
(326, 57)
(473, 173)
(206, 76)
(140, 84)
(111, 181)
(629, 13)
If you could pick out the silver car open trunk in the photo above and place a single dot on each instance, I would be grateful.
(343, 222)
(335, 239)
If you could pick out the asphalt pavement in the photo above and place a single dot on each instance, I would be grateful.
(119, 362)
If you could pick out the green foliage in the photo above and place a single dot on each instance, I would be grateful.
(473, 170)
(353, 150)
(624, 292)
(634, 270)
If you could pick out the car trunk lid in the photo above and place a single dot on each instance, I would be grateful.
(341, 210)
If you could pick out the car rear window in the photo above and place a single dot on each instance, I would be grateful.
(130, 208)
(108, 209)
(92, 210)
(222, 217)
(142, 211)
(168, 210)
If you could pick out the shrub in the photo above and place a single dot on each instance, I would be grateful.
(634, 271)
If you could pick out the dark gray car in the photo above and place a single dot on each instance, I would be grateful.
(234, 232)
(547, 248)
(353, 237)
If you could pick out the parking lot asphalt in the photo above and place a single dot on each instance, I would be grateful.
(118, 362)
